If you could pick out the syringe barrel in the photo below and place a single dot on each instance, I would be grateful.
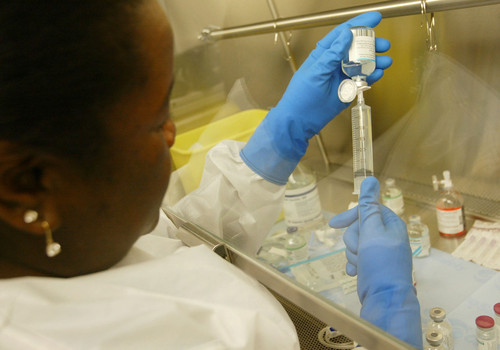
(362, 148)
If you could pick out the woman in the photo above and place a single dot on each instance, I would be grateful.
(84, 142)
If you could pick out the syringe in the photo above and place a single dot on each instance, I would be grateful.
(362, 148)
(359, 64)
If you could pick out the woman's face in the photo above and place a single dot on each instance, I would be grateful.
(101, 219)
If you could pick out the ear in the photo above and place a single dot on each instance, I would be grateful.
(24, 185)
(169, 132)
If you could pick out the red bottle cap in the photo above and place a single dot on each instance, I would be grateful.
(485, 322)
(496, 308)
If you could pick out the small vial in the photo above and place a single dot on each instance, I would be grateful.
(296, 245)
(449, 208)
(434, 339)
(302, 206)
(485, 333)
(360, 60)
(439, 323)
(418, 233)
(496, 310)
(392, 197)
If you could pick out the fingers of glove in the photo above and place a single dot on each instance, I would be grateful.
(375, 76)
(369, 208)
(394, 225)
(344, 219)
(351, 269)
(369, 19)
(351, 237)
(329, 61)
(382, 45)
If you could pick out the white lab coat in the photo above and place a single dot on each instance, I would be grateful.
(162, 295)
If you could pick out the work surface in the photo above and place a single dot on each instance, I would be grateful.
(464, 289)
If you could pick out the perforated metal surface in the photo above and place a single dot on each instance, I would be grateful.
(308, 327)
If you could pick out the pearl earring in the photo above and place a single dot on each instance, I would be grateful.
(51, 248)
(30, 216)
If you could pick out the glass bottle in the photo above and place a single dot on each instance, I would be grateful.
(434, 340)
(360, 60)
(302, 206)
(296, 245)
(440, 323)
(485, 333)
(449, 208)
(496, 310)
(392, 197)
(418, 233)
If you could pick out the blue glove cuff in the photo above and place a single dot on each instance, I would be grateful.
(262, 156)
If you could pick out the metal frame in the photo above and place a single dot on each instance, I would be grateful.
(387, 9)
(345, 321)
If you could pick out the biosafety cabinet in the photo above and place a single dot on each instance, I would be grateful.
(434, 111)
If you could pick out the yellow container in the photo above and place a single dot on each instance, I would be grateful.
(191, 147)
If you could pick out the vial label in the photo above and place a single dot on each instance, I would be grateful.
(450, 220)
(416, 245)
(302, 205)
(362, 49)
(483, 344)
(396, 204)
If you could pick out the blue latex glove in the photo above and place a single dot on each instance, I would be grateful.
(308, 104)
(380, 255)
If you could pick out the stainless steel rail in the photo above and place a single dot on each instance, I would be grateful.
(388, 9)
(315, 304)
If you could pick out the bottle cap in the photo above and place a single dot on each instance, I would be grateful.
(292, 229)
(434, 337)
(485, 322)
(390, 182)
(415, 219)
(496, 308)
(348, 89)
(437, 313)
(447, 184)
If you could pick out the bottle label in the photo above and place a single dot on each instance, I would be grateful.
(362, 49)
(396, 204)
(486, 344)
(450, 220)
(416, 246)
(302, 206)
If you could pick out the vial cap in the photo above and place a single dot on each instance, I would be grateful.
(485, 322)
(434, 337)
(415, 219)
(292, 229)
(496, 308)
(390, 182)
(437, 314)
(348, 89)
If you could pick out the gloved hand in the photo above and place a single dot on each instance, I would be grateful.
(308, 104)
(378, 251)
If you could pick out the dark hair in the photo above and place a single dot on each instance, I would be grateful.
(63, 64)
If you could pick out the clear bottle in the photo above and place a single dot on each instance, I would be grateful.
(449, 208)
(296, 245)
(496, 310)
(434, 340)
(302, 206)
(485, 333)
(392, 197)
(440, 323)
(360, 60)
(418, 233)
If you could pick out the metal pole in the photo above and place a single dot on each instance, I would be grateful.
(388, 9)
